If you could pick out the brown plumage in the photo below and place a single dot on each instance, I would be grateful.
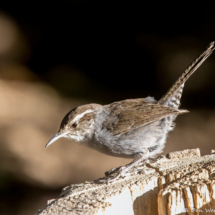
(134, 113)
(133, 128)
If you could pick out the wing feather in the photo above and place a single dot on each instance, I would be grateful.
(135, 113)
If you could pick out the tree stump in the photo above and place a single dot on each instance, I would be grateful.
(179, 183)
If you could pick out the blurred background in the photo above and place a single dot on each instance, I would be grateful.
(56, 56)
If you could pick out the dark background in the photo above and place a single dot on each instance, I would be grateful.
(93, 51)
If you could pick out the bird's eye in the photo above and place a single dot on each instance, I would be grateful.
(74, 125)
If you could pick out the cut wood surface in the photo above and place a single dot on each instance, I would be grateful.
(179, 183)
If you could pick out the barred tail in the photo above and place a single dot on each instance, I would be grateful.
(172, 97)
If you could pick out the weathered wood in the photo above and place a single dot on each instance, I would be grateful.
(179, 183)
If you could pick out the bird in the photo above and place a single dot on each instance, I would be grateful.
(133, 128)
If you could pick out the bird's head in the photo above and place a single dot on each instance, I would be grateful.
(78, 124)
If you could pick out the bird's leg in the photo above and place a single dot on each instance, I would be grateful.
(143, 156)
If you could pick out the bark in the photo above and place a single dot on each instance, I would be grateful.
(179, 183)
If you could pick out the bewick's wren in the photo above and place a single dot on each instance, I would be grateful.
(133, 128)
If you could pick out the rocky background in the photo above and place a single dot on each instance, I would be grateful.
(54, 57)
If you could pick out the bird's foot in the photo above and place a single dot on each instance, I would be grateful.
(114, 171)
(123, 171)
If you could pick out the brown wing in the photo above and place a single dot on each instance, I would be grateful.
(135, 113)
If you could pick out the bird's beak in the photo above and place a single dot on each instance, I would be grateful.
(54, 138)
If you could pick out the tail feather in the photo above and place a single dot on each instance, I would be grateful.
(173, 96)
(174, 101)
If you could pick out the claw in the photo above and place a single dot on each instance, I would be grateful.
(123, 171)
(113, 171)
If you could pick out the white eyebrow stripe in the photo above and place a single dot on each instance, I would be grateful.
(81, 115)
